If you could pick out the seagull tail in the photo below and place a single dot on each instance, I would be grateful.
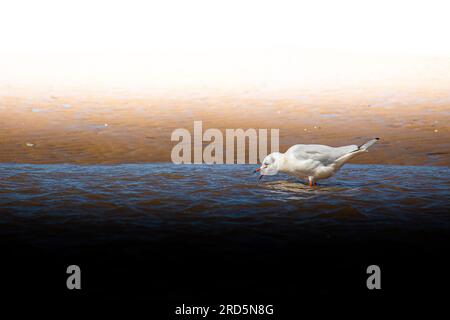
(368, 144)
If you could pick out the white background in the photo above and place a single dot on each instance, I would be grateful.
(133, 43)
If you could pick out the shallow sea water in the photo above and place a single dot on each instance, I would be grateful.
(161, 199)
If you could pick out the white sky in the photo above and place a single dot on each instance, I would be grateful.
(53, 40)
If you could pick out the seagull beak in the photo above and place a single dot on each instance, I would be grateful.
(257, 170)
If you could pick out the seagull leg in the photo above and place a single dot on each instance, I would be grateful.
(311, 181)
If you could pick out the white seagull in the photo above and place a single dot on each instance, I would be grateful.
(311, 161)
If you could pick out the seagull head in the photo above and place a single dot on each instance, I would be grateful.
(270, 165)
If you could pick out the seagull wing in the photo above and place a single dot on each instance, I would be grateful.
(324, 154)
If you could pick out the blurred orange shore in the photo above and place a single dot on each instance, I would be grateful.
(414, 130)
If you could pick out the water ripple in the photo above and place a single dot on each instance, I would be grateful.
(221, 197)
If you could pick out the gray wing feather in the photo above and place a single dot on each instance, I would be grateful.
(325, 154)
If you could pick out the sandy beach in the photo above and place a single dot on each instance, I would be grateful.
(109, 129)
